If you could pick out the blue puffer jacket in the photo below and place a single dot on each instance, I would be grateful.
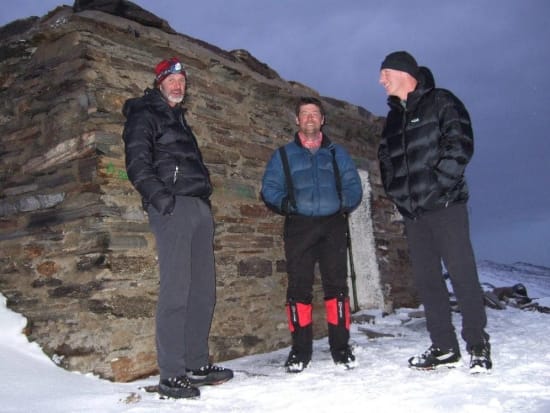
(313, 179)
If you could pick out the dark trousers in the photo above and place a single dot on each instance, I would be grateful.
(309, 240)
(187, 292)
(444, 235)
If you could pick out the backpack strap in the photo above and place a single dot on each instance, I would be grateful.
(337, 175)
(289, 184)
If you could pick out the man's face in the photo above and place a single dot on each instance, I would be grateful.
(395, 82)
(310, 119)
(173, 88)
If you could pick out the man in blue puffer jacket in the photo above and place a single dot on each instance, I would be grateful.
(316, 190)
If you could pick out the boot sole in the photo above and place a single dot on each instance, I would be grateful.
(294, 370)
(350, 365)
(479, 370)
(198, 383)
(437, 366)
(168, 393)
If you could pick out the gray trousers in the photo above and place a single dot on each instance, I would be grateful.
(444, 235)
(187, 292)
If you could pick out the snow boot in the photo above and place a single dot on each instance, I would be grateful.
(434, 357)
(339, 320)
(344, 358)
(301, 328)
(480, 358)
(296, 362)
(178, 388)
(209, 374)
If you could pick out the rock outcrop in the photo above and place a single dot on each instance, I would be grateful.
(76, 254)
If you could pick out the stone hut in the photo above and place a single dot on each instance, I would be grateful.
(77, 258)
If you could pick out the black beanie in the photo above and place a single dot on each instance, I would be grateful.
(402, 61)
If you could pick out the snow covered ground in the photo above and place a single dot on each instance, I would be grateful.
(520, 381)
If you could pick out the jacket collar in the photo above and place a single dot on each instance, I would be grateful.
(325, 143)
(413, 98)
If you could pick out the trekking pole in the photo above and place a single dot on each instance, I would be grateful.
(351, 268)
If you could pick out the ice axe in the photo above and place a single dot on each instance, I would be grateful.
(351, 267)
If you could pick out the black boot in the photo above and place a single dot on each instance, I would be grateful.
(301, 328)
(435, 357)
(178, 388)
(480, 358)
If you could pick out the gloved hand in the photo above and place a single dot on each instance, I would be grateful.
(164, 203)
(286, 207)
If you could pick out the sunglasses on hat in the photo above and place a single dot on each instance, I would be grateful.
(169, 67)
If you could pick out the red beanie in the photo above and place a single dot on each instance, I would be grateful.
(168, 67)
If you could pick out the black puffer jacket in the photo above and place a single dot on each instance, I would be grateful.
(425, 148)
(162, 155)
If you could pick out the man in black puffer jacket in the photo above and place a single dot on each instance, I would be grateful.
(426, 145)
(165, 165)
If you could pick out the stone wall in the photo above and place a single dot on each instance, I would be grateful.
(77, 258)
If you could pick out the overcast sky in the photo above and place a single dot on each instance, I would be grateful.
(493, 54)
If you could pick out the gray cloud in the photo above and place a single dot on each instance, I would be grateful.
(491, 53)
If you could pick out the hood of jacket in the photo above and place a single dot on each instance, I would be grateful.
(426, 83)
(152, 98)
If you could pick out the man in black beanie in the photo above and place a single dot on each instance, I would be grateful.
(426, 145)
(402, 61)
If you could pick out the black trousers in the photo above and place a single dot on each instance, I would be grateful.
(309, 240)
(444, 235)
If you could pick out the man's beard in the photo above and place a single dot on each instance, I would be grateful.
(175, 99)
